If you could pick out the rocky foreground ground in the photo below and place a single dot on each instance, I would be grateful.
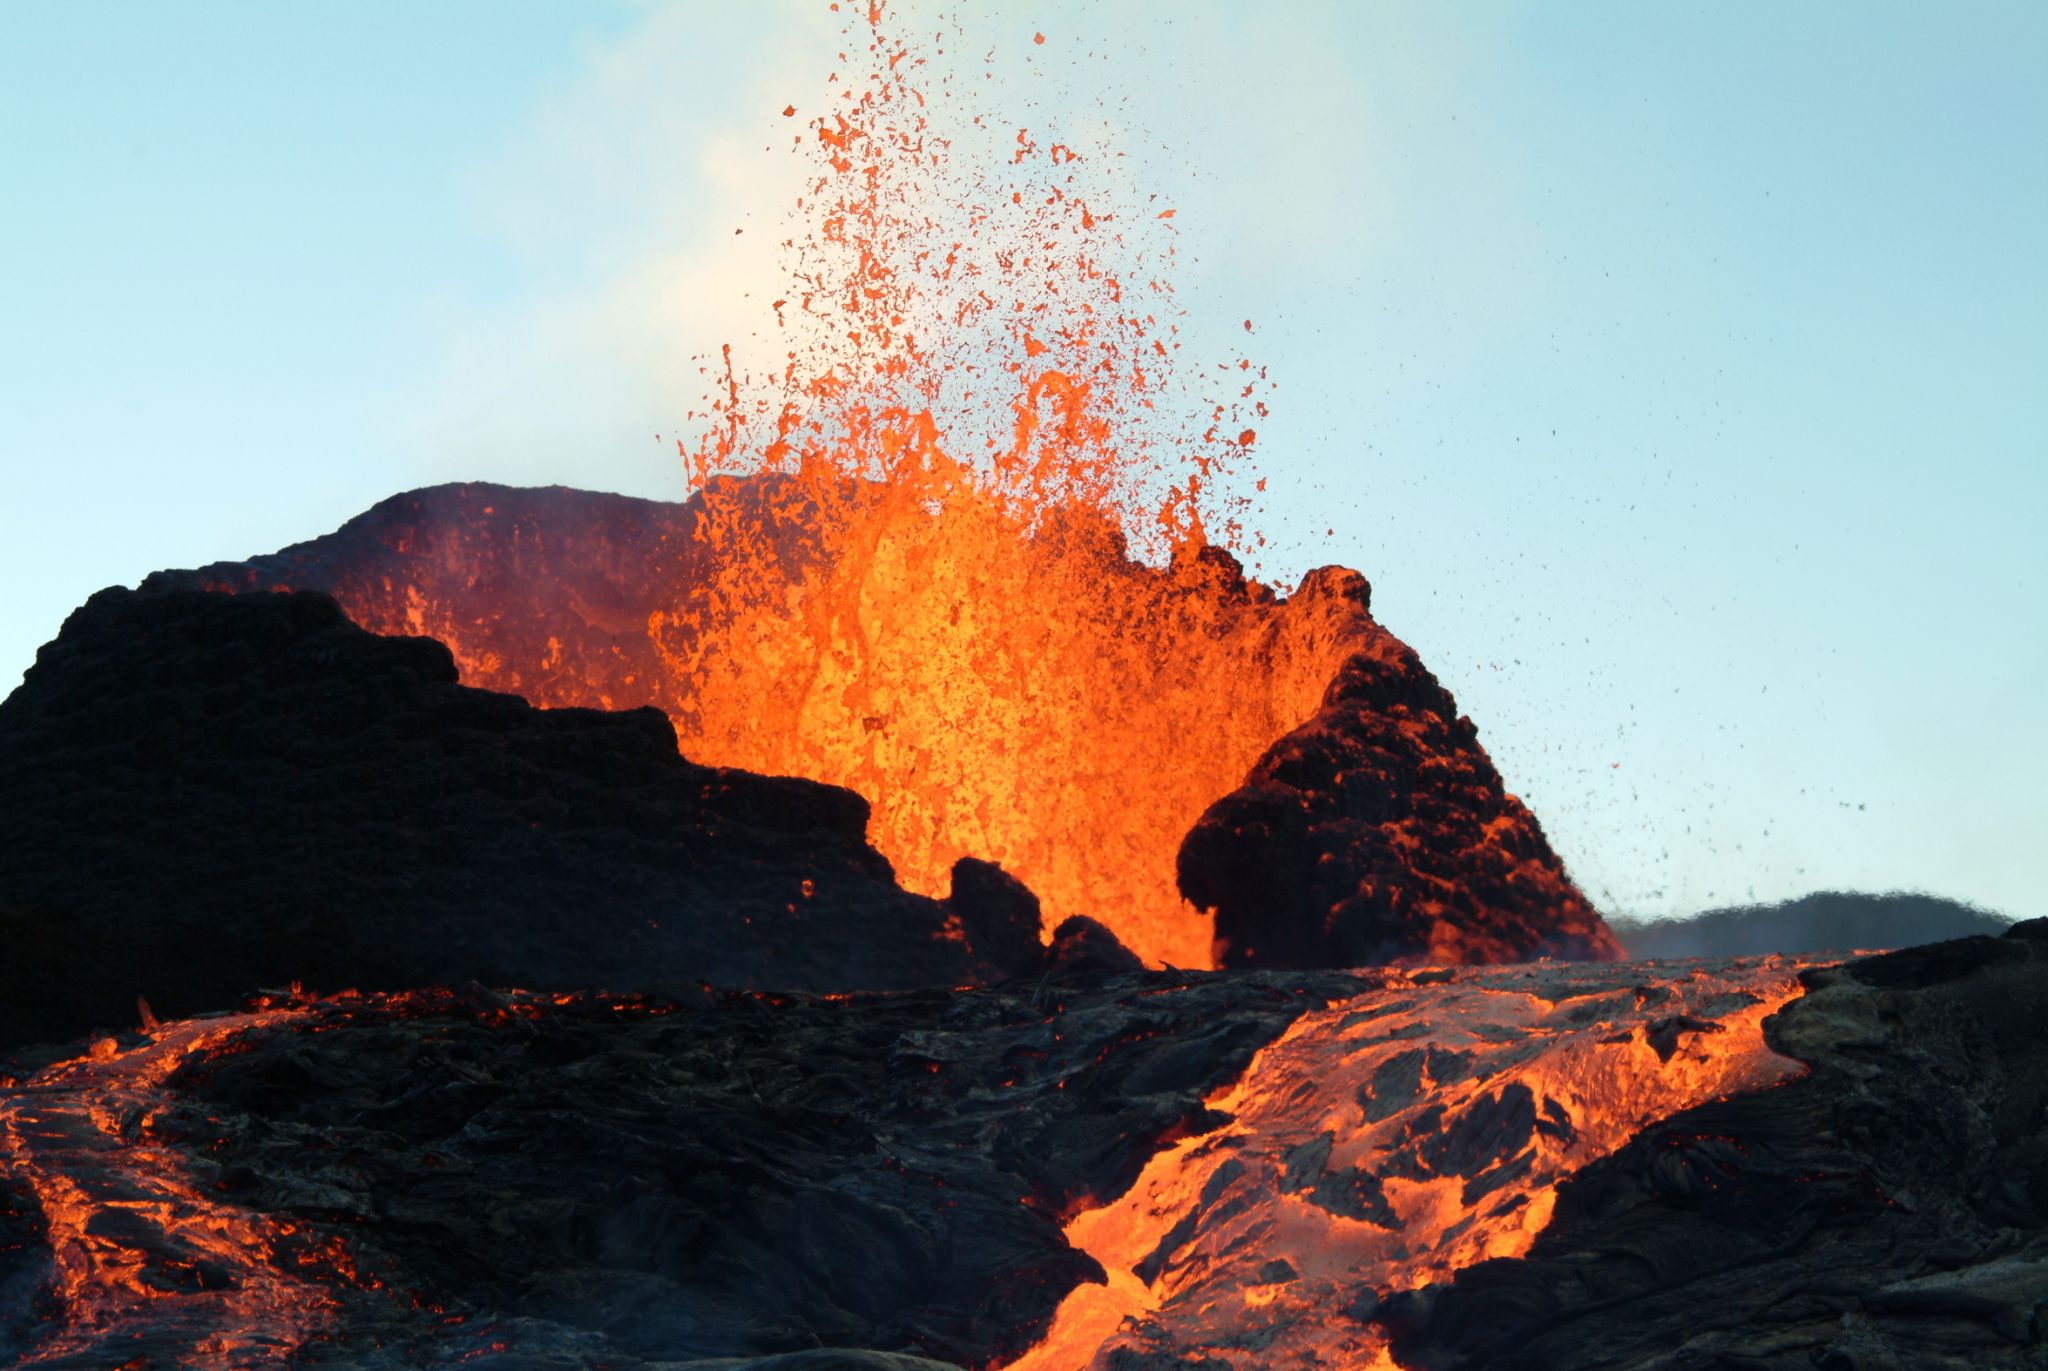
(482, 1179)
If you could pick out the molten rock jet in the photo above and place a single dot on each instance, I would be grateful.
(1026, 693)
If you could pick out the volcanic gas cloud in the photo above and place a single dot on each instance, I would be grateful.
(957, 553)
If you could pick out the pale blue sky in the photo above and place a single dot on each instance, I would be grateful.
(1675, 372)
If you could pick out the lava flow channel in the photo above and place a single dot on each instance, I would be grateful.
(147, 1269)
(1394, 1137)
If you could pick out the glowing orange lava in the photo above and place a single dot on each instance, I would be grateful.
(148, 1267)
(146, 1262)
(1394, 1137)
(1383, 1142)
(970, 412)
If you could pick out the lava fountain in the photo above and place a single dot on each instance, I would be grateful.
(969, 421)
(957, 552)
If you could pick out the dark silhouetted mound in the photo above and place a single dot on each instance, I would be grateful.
(1890, 1210)
(1380, 831)
(494, 570)
(1083, 947)
(1826, 921)
(207, 794)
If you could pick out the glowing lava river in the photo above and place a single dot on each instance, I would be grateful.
(148, 1269)
(1240, 1161)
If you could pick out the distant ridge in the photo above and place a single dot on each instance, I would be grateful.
(1825, 921)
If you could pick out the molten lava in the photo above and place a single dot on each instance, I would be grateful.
(1392, 1138)
(147, 1265)
(935, 607)
(1406, 1130)
(1040, 702)
(969, 418)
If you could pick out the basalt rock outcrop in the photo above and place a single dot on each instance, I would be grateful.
(205, 795)
(1030, 696)
(1888, 1211)
(1378, 831)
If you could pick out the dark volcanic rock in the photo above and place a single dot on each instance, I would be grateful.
(1825, 921)
(1380, 831)
(206, 794)
(579, 1182)
(725, 1175)
(1081, 946)
(1888, 1211)
(998, 915)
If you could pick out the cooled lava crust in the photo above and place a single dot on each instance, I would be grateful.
(511, 1181)
(576, 1182)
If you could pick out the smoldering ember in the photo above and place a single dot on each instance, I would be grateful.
(919, 903)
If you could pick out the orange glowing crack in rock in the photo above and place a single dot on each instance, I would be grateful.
(1392, 1138)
